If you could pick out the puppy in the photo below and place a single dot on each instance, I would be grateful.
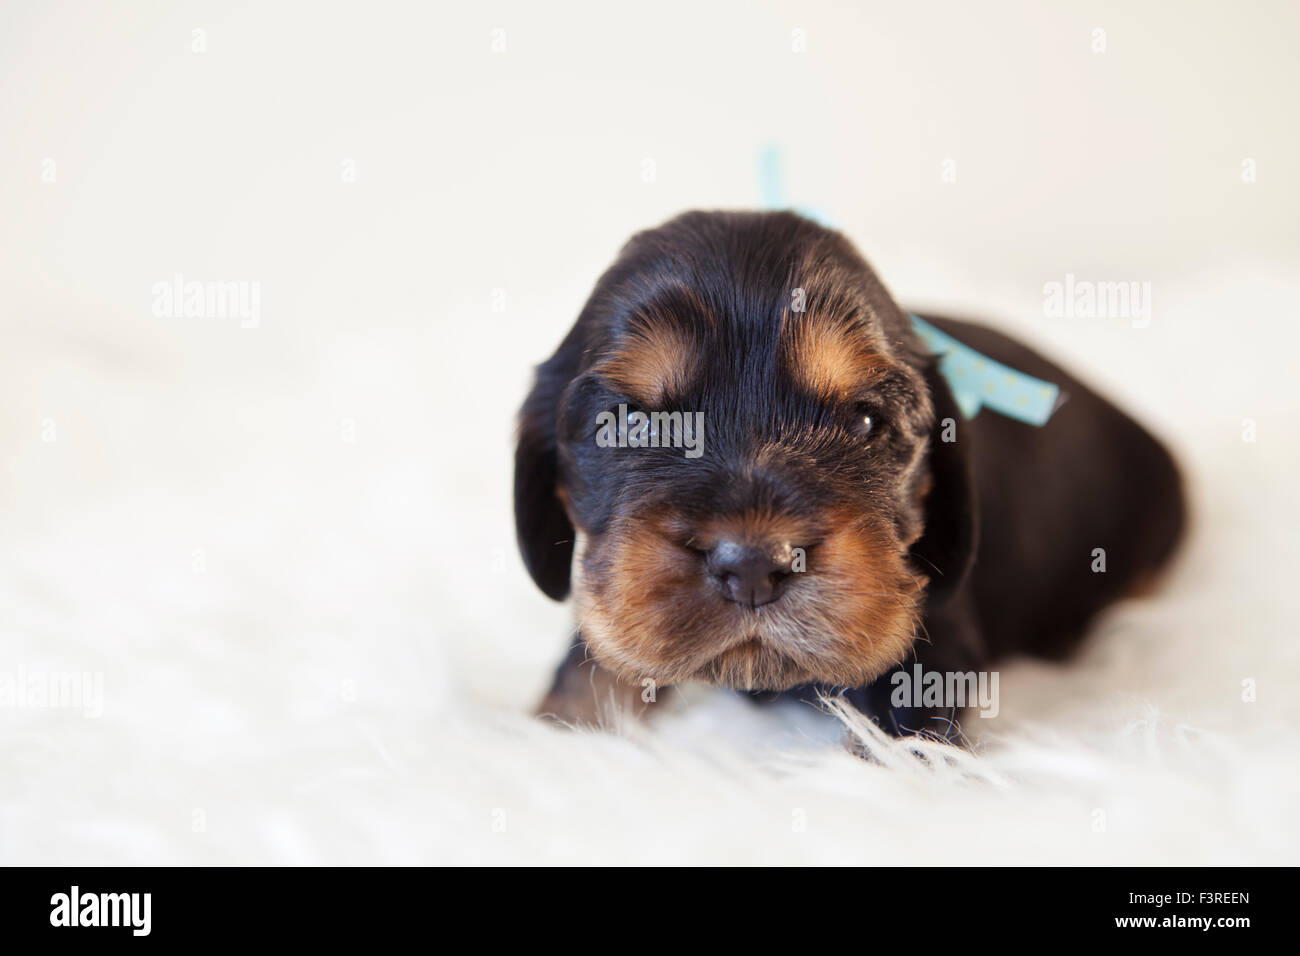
(745, 463)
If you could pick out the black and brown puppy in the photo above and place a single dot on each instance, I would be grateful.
(825, 532)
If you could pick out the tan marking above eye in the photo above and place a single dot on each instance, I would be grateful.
(652, 362)
(832, 360)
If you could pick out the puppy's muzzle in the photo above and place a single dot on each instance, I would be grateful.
(750, 574)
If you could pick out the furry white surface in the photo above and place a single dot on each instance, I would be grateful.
(289, 551)
(343, 673)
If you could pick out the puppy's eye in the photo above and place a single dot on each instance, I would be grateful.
(869, 419)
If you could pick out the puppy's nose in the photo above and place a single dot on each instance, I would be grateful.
(750, 575)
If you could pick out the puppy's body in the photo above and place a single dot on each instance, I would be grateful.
(831, 437)
(1072, 516)
(1048, 497)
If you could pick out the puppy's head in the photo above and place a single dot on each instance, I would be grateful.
(734, 460)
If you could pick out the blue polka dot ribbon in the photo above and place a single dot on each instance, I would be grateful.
(979, 382)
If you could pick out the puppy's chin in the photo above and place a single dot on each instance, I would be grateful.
(752, 664)
(756, 665)
(646, 610)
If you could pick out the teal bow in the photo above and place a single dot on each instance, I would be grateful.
(978, 381)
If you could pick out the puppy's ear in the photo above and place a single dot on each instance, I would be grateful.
(946, 547)
(544, 532)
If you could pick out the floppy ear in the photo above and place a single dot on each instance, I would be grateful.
(544, 532)
(946, 547)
